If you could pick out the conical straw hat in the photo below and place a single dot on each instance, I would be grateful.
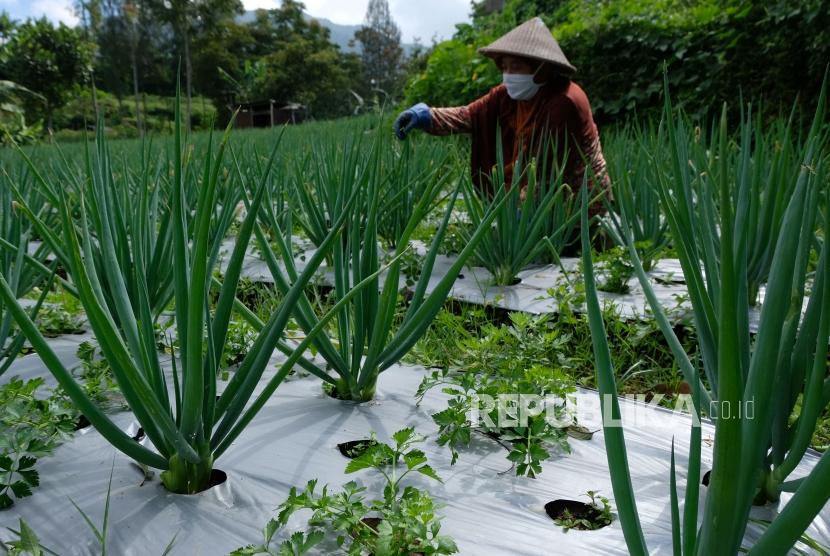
(531, 39)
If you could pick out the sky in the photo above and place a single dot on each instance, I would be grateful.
(416, 18)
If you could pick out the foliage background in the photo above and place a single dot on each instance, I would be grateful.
(132, 50)
(715, 50)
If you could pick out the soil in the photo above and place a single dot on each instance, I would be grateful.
(669, 280)
(355, 448)
(494, 314)
(67, 332)
(217, 477)
(558, 509)
(82, 423)
(252, 298)
(668, 390)
(372, 522)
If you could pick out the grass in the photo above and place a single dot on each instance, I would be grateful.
(464, 335)
(157, 114)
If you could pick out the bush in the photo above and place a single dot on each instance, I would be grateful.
(455, 74)
(120, 118)
(715, 50)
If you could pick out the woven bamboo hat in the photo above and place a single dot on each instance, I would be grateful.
(531, 39)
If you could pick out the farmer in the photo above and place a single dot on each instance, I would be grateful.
(536, 103)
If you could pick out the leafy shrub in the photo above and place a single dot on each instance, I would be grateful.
(455, 74)
(714, 51)
(13, 126)
(403, 521)
(120, 115)
(30, 428)
(504, 360)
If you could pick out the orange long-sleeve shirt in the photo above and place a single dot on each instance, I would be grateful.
(560, 109)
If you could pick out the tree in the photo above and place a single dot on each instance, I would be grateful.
(7, 27)
(189, 19)
(304, 65)
(113, 56)
(90, 14)
(131, 13)
(263, 33)
(221, 52)
(380, 40)
(49, 60)
(13, 128)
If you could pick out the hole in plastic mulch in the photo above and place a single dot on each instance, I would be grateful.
(356, 448)
(331, 391)
(705, 480)
(664, 389)
(82, 423)
(217, 477)
(139, 435)
(573, 509)
(372, 522)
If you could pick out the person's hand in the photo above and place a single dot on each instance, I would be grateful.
(417, 116)
(406, 122)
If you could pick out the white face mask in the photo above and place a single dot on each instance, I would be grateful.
(521, 86)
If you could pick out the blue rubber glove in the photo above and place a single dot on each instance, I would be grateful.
(416, 117)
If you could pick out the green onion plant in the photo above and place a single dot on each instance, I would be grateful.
(139, 218)
(750, 385)
(637, 158)
(412, 173)
(526, 227)
(25, 271)
(369, 337)
(187, 420)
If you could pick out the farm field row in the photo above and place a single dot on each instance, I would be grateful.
(249, 301)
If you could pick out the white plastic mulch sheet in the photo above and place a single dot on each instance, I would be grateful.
(294, 439)
(474, 285)
(530, 295)
(30, 366)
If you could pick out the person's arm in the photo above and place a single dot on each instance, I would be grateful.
(442, 121)
(459, 119)
(446, 121)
